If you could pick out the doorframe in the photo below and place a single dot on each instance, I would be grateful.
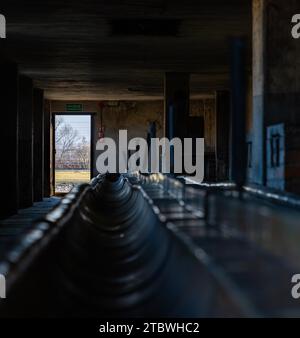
(92, 143)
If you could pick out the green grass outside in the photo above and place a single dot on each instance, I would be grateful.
(72, 176)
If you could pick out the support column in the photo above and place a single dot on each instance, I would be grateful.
(258, 139)
(222, 134)
(276, 118)
(47, 145)
(177, 107)
(177, 104)
(26, 143)
(238, 112)
(38, 144)
(9, 138)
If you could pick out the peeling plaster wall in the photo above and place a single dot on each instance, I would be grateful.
(135, 116)
(276, 95)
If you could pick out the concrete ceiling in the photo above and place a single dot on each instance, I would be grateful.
(77, 50)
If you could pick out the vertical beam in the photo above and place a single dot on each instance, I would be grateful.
(94, 135)
(258, 170)
(222, 134)
(238, 112)
(9, 138)
(52, 153)
(177, 104)
(176, 107)
(26, 143)
(47, 154)
(38, 144)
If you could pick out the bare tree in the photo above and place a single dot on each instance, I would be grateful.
(59, 121)
(82, 153)
(65, 138)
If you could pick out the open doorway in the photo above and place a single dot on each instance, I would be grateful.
(72, 151)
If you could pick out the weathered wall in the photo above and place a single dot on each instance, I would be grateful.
(131, 115)
(276, 96)
(135, 116)
(283, 93)
(283, 63)
(207, 108)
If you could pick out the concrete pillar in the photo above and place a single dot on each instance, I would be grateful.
(276, 98)
(47, 146)
(38, 144)
(177, 104)
(258, 165)
(222, 134)
(176, 107)
(9, 82)
(25, 142)
(52, 154)
(238, 147)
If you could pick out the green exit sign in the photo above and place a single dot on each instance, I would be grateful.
(74, 107)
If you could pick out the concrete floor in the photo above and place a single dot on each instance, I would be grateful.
(13, 227)
(251, 247)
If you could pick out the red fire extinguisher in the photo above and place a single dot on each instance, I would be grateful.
(101, 128)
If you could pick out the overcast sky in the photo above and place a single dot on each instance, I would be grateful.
(80, 123)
